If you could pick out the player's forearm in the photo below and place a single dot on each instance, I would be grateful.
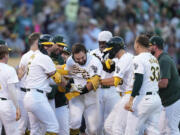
(108, 82)
(13, 93)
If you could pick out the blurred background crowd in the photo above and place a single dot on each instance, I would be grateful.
(82, 20)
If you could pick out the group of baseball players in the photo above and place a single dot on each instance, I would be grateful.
(115, 92)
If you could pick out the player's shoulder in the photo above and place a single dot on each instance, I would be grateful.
(70, 61)
(128, 56)
(95, 51)
(27, 53)
(8, 68)
(94, 58)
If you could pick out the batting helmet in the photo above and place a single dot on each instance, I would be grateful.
(114, 45)
(45, 40)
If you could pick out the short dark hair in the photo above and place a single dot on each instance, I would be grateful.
(143, 40)
(33, 37)
(78, 47)
(3, 51)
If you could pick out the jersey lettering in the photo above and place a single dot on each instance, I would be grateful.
(155, 73)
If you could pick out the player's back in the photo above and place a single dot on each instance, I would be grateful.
(38, 67)
(7, 75)
(147, 64)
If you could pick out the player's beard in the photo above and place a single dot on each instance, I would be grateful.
(82, 63)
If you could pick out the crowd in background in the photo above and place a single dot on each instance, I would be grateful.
(82, 20)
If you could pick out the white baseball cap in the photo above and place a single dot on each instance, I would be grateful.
(104, 36)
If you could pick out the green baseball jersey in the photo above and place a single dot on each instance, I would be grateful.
(169, 71)
(60, 98)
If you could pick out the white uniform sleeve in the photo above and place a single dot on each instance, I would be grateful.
(96, 67)
(121, 67)
(12, 76)
(47, 64)
(69, 64)
(12, 90)
(138, 65)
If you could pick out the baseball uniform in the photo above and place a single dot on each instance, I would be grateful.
(147, 104)
(108, 95)
(7, 110)
(61, 107)
(87, 103)
(115, 124)
(24, 120)
(36, 103)
(170, 96)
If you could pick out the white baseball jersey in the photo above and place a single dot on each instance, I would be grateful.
(24, 62)
(7, 76)
(92, 67)
(124, 70)
(99, 55)
(147, 64)
(39, 66)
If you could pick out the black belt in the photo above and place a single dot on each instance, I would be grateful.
(36, 90)
(3, 98)
(23, 89)
(105, 86)
(149, 93)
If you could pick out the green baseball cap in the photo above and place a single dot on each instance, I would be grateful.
(57, 39)
(156, 40)
(67, 50)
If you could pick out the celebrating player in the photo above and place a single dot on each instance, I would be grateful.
(144, 103)
(9, 110)
(87, 71)
(108, 95)
(169, 86)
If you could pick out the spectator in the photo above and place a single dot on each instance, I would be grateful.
(91, 34)
(16, 44)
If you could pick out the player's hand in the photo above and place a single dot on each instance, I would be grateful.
(18, 114)
(76, 88)
(21, 71)
(128, 106)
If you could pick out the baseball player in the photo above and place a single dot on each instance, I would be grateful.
(145, 102)
(9, 111)
(108, 95)
(61, 108)
(169, 85)
(115, 124)
(40, 68)
(2, 42)
(87, 71)
(23, 122)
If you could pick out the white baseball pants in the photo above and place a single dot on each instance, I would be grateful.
(77, 108)
(115, 124)
(24, 120)
(172, 114)
(62, 114)
(8, 117)
(146, 115)
(108, 98)
(40, 112)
